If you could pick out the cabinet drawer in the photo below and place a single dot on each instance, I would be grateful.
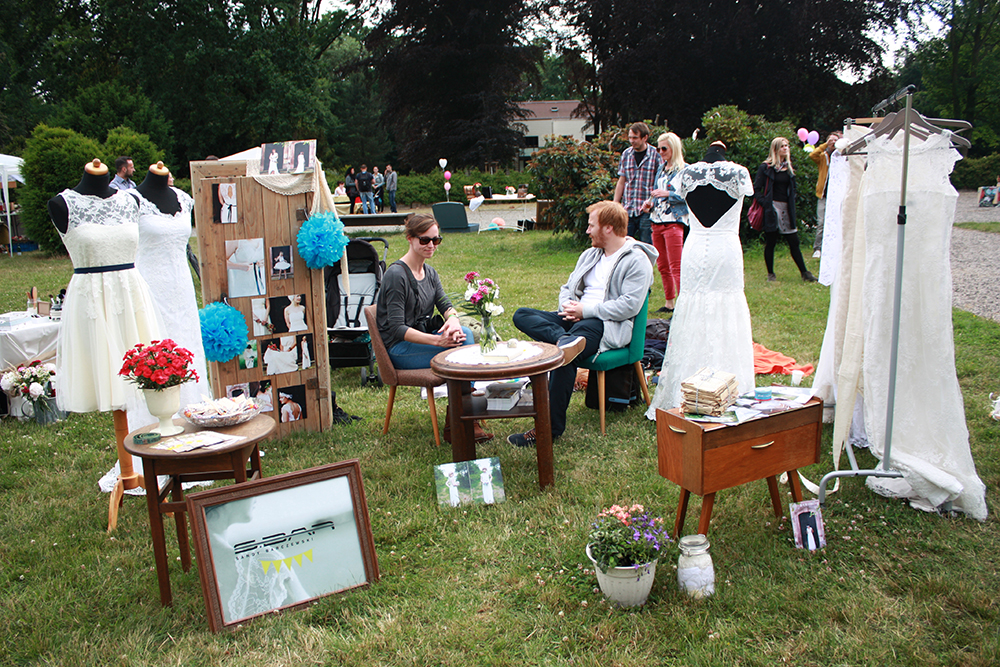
(758, 457)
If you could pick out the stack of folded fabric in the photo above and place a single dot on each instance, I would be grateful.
(709, 392)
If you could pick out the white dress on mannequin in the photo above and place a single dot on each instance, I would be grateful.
(162, 261)
(930, 440)
(106, 312)
(711, 323)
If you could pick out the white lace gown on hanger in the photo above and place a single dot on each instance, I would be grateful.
(711, 323)
(106, 312)
(930, 440)
(162, 261)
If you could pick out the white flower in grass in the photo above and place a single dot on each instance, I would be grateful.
(35, 390)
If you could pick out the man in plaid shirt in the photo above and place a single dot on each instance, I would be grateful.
(637, 173)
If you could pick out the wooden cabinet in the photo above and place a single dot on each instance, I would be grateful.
(706, 458)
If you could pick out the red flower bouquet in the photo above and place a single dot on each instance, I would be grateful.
(159, 365)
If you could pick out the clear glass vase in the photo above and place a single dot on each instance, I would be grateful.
(488, 342)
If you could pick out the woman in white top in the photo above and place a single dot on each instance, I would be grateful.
(295, 314)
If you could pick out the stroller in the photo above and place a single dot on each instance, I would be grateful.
(350, 344)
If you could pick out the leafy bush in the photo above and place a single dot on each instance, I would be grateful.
(126, 141)
(972, 173)
(54, 158)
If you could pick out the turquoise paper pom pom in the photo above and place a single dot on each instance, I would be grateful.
(322, 240)
(223, 331)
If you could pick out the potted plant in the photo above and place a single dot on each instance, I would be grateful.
(159, 369)
(33, 383)
(624, 545)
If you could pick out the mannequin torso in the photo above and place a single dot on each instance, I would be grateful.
(155, 189)
(94, 183)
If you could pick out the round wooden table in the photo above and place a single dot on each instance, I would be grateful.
(466, 409)
(228, 461)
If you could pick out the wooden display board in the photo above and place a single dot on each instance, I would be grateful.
(290, 358)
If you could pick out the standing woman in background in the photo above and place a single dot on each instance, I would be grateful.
(669, 217)
(352, 188)
(774, 189)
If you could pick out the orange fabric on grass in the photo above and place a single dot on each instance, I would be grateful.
(767, 361)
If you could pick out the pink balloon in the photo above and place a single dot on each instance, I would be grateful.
(802, 134)
(813, 137)
(447, 175)
(447, 187)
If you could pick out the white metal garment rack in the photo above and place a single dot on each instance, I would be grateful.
(911, 123)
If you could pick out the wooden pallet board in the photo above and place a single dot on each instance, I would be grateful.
(276, 219)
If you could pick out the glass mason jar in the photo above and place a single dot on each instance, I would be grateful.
(695, 572)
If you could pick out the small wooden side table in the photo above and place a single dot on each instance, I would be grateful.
(465, 410)
(224, 462)
(705, 458)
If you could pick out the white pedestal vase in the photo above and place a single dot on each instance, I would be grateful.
(163, 404)
(626, 586)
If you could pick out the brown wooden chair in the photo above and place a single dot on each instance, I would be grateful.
(401, 378)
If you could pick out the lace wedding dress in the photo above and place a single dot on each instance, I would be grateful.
(162, 261)
(711, 323)
(930, 440)
(108, 309)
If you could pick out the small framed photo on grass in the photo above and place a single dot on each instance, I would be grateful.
(807, 525)
(469, 482)
(279, 543)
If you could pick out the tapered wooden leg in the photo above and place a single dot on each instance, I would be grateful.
(434, 415)
(642, 381)
(127, 477)
(796, 485)
(682, 508)
(600, 398)
(772, 485)
(707, 501)
(388, 408)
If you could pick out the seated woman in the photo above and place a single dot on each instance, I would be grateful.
(411, 289)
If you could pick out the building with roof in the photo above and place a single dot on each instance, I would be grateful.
(547, 118)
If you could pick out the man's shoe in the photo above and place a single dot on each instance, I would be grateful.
(771, 278)
(526, 439)
(817, 254)
(808, 277)
(571, 347)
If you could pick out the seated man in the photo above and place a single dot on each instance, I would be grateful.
(596, 305)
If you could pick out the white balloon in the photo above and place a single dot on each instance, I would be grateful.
(443, 162)
(447, 187)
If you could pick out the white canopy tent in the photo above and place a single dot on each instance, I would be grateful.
(10, 170)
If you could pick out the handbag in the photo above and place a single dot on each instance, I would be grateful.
(755, 214)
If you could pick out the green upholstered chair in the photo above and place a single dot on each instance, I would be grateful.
(452, 217)
(625, 356)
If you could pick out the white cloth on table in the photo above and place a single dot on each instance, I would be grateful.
(711, 322)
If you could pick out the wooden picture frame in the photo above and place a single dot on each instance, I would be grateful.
(281, 542)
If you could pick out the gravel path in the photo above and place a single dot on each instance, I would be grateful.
(975, 260)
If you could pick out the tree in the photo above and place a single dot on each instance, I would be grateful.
(451, 73)
(676, 58)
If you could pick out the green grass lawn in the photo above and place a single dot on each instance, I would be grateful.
(510, 584)
(993, 227)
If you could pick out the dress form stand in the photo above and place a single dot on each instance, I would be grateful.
(95, 183)
(155, 188)
(707, 202)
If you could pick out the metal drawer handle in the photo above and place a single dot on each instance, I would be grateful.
(676, 430)
(763, 446)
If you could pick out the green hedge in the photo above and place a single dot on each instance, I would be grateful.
(972, 173)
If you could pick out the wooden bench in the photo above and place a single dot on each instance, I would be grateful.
(375, 219)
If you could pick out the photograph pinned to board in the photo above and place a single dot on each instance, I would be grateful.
(245, 268)
(259, 391)
(237, 390)
(306, 355)
(224, 205)
(293, 403)
(280, 355)
(248, 358)
(261, 317)
(282, 542)
(281, 262)
(272, 159)
(469, 482)
(807, 524)
(288, 157)
(287, 314)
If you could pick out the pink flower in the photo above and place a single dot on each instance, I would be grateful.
(471, 275)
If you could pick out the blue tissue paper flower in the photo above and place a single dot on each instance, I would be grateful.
(223, 331)
(322, 240)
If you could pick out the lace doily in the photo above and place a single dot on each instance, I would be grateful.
(471, 355)
(731, 178)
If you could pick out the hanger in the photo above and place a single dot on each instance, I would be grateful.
(920, 126)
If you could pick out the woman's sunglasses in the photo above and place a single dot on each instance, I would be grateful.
(436, 240)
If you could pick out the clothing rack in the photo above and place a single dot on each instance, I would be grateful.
(912, 124)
